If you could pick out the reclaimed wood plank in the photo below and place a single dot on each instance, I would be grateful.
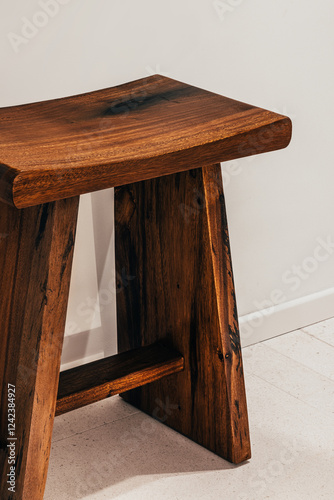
(106, 377)
(165, 241)
(36, 249)
(141, 130)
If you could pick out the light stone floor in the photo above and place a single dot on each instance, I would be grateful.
(111, 450)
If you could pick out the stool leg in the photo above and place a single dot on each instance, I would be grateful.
(36, 248)
(175, 284)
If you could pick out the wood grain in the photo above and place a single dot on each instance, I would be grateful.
(141, 130)
(172, 236)
(230, 347)
(106, 377)
(36, 248)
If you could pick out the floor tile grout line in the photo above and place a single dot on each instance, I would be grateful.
(96, 427)
(298, 362)
(315, 337)
(322, 411)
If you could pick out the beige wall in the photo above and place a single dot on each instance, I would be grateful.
(280, 205)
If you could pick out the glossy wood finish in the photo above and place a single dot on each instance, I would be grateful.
(172, 236)
(36, 249)
(144, 129)
(159, 139)
(106, 377)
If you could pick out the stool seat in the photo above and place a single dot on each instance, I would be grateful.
(144, 129)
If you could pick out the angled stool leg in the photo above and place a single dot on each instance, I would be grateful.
(36, 250)
(175, 284)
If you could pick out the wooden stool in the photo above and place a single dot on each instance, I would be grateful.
(158, 141)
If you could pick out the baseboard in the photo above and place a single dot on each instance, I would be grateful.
(282, 318)
(84, 347)
(256, 327)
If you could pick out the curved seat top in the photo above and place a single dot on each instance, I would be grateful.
(143, 129)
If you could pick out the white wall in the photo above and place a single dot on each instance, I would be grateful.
(278, 55)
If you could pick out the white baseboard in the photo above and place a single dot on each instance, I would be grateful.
(282, 318)
(84, 347)
(256, 327)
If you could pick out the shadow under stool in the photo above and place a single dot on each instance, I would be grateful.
(159, 143)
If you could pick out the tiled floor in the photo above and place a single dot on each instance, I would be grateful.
(110, 450)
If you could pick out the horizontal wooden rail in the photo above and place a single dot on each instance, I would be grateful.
(106, 377)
